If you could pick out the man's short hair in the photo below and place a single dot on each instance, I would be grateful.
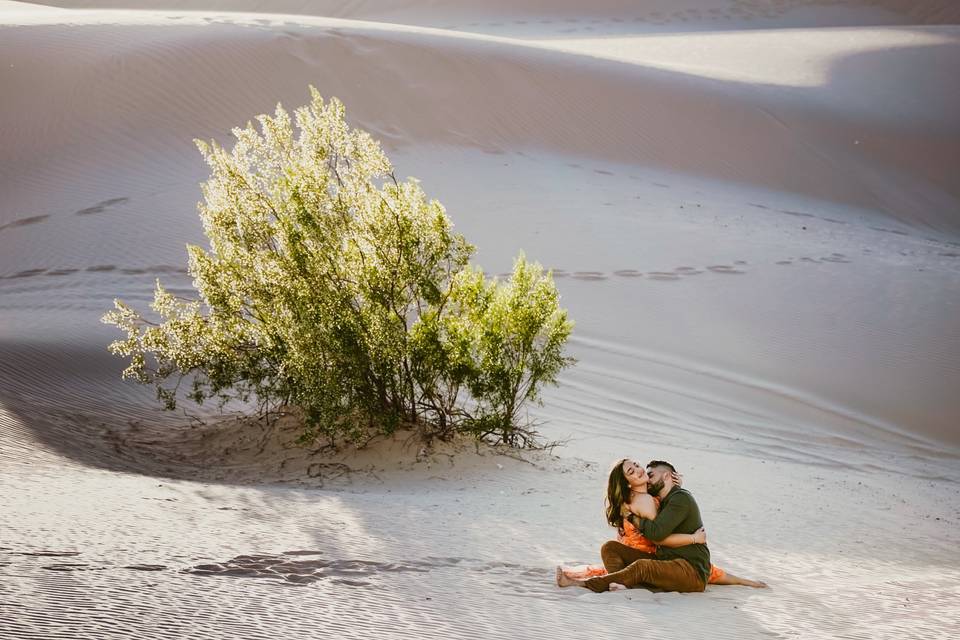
(661, 463)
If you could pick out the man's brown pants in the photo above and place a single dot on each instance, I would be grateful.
(632, 568)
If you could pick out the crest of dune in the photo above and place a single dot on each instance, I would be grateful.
(751, 212)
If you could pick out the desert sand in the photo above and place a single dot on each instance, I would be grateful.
(752, 210)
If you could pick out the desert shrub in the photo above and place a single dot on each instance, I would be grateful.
(333, 287)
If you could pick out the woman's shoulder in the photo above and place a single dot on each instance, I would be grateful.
(644, 499)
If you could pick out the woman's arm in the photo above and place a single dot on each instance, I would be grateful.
(675, 540)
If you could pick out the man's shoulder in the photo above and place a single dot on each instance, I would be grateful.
(681, 493)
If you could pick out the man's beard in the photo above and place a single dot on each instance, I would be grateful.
(654, 488)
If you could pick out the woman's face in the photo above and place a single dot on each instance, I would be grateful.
(636, 475)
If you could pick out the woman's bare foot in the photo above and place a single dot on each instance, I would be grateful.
(616, 586)
(729, 578)
(564, 581)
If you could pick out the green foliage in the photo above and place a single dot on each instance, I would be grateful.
(333, 287)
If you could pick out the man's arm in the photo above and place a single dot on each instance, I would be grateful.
(677, 540)
(669, 518)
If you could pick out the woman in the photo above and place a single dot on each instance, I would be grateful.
(627, 493)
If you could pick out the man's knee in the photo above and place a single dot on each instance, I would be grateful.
(611, 553)
(610, 548)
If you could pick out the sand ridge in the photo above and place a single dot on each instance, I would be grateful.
(751, 213)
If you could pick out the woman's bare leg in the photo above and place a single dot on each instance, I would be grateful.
(729, 578)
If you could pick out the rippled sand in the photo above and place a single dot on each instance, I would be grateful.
(752, 213)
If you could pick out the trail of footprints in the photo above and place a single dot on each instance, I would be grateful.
(303, 567)
(737, 267)
(677, 273)
(99, 207)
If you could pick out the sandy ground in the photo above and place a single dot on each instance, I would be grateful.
(753, 214)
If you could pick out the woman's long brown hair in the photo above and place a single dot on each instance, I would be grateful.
(618, 492)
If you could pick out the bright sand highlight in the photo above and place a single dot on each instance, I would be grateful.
(752, 213)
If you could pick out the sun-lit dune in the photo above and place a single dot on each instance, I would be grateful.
(752, 212)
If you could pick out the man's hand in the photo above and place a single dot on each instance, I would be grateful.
(669, 482)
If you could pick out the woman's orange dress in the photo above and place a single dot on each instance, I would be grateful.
(633, 538)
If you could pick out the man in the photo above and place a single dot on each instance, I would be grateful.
(684, 569)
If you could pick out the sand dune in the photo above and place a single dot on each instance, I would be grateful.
(568, 16)
(830, 143)
(752, 213)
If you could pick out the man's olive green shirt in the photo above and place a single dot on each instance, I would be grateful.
(679, 513)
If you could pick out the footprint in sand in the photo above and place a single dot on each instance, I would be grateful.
(628, 273)
(723, 268)
(589, 275)
(784, 262)
(805, 259)
(165, 268)
(153, 269)
(27, 273)
(66, 566)
(23, 222)
(101, 206)
(662, 275)
(687, 271)
(893, 231)
(295, 571)
(799, 214)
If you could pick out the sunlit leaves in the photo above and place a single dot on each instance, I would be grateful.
(331, 286)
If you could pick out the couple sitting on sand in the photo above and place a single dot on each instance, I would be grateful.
(661, 542)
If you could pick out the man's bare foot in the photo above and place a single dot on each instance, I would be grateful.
(564, 581)
(616, 586)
